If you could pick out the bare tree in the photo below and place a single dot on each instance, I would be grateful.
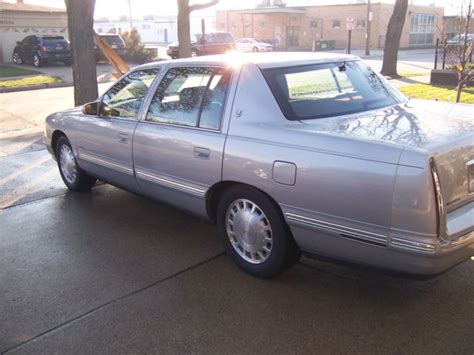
(184, 34)
(392, 39)
(80, 17)
(464, 54)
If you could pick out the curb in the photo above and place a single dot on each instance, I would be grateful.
(34, 87)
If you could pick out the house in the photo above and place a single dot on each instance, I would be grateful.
(18, 20)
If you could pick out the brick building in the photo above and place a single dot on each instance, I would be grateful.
(296, 28)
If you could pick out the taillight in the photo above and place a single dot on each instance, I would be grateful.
(470, 176)
(44, 49)
(441, 214)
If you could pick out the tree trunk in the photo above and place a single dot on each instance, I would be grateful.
(392, 39)
(80, 17)
(184, 31)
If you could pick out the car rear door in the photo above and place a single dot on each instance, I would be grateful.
(178, 147)
(104, 141)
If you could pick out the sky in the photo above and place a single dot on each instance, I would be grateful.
(115, 8)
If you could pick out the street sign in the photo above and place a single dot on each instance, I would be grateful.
(349, 23)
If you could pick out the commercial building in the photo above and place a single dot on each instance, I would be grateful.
(154, 29)
(18, 20)
(298, 27)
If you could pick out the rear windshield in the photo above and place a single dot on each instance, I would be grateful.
(326, 90)
(113, 40)
(51, 41)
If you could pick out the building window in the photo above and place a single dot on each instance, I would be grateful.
(336, 23)
(313, 23)
(422, 26)
(360, 24)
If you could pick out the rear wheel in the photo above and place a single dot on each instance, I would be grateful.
(73, 177)
(16, 58)
(254, 232)
(37, 60)
(255, 49)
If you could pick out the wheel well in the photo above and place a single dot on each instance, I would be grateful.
(54, 139)
(216, 191)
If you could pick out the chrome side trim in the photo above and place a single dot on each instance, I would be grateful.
(108, 164)
(351, 232)
(169, 183)
(412, 245)
(442, 218)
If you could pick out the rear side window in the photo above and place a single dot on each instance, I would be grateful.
(224, 37)
(52, 41)
(193, 97)
(326, 90)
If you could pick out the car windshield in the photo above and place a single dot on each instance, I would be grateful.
(326, 90)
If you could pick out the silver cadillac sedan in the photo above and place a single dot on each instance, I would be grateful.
(288, 153)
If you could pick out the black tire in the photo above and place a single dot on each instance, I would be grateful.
(255, 49)
(81, 181)
(37, 62)
(283, 253)
(16, 58)
(194, 52)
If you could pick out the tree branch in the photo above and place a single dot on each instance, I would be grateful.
(202, 6)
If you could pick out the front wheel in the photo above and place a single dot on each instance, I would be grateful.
(255, 49)
(73, 177)
(254, 232)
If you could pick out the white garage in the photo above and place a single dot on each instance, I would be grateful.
(18, 20)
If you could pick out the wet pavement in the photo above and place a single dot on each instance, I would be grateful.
(112, 272)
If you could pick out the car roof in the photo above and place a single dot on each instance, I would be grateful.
(263, 60)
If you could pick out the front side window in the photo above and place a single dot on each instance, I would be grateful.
(126, 96)
(326, 90)
(193, 97)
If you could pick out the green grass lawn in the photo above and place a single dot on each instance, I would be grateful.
(9, 70)
(442, 93)
(30, 81)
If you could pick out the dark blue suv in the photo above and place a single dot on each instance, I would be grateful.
(42, 49)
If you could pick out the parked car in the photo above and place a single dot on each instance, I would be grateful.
(42, 49)
(252, 45)
(291, 153)
(458, 40)
(211, 43)
(115, 41)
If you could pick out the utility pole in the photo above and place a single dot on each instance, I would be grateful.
(130, 14)
(367, 27)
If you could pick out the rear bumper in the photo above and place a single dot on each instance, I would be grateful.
(397, 255)
(56, 56)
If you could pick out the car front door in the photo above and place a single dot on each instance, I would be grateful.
(26, 48)
(178, 147)
(104, 141)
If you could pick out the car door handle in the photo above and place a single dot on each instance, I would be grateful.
(122, 138)
(202, 153)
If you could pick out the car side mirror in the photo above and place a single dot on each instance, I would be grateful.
(91, 108)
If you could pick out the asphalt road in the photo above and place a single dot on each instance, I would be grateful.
(112, 272)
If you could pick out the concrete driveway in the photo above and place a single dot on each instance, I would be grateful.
(111, 272)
